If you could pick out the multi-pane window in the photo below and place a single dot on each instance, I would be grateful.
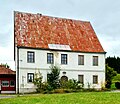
(12, 83)
(30, 57)
(95, 79)
(30, 77)
(95, 60)
(5, 83)
(80, 59)
(63, 58)
(50, 58)
(81, 79)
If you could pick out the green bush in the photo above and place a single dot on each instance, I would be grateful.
(53, 77)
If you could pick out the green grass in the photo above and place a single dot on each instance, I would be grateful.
(70, 98)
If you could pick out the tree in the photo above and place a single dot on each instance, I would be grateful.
(53, 77)
(110, 73)
(114, 62)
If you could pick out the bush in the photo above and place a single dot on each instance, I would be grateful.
(117, 85)
(53, 77)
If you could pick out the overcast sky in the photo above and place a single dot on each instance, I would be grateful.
(104, 16)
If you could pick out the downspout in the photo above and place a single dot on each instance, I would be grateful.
(17, 70)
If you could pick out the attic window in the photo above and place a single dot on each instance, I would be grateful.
(33, 21)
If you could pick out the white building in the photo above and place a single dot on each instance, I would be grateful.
(70, 44)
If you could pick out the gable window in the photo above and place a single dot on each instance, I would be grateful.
(50, 58)
(30, 57)
(63, 58)
(81, 79)
(95, 79)
(80, 59)
(95, 60)
(30, 77)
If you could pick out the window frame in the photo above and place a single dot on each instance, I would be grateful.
(5, 85)
(12, 85)
(51, 58)
(30, 57)
(64, 60)
(80, 80)
(95, 60)
(95, 81)
(28, 77)
(80, 59)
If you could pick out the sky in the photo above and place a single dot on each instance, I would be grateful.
(104, 16)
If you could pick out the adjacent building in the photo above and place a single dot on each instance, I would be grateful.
(7, 80)
(70, 44)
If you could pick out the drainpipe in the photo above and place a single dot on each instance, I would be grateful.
(17, 70)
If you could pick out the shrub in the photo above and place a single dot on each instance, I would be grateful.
(38, 82)
(53, 77)
(117, 85)
(110, 73)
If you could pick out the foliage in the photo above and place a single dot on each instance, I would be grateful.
(116, 78)
(53, 77)
(5, 65)
(114, 62)
(117, 85)
(70, 84)
(38, 82)
(110, 73)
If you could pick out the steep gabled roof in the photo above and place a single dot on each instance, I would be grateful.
(38, 31)
(4, 70)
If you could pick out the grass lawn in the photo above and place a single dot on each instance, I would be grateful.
(69, 98)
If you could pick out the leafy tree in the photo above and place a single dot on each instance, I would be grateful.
(114, 62)
(53, 77)
(110, 73)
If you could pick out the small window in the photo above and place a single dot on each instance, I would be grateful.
(80, 59)
(63, 58)
(30, 57)
(30, 77)
(12, 83)
(50, 58)
(95, 60)
(81, 79)
(5, 83)
(95, 79)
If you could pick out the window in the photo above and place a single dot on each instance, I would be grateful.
(80, 59)
(50, 58)
(63, 58)
(95, 79)
(81, 79)
(30, 57)
(12, 83)
(5, 83)
(95, 60)
(30, 77)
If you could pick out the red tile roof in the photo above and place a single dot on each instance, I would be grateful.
(37, 31)
(4, 70)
